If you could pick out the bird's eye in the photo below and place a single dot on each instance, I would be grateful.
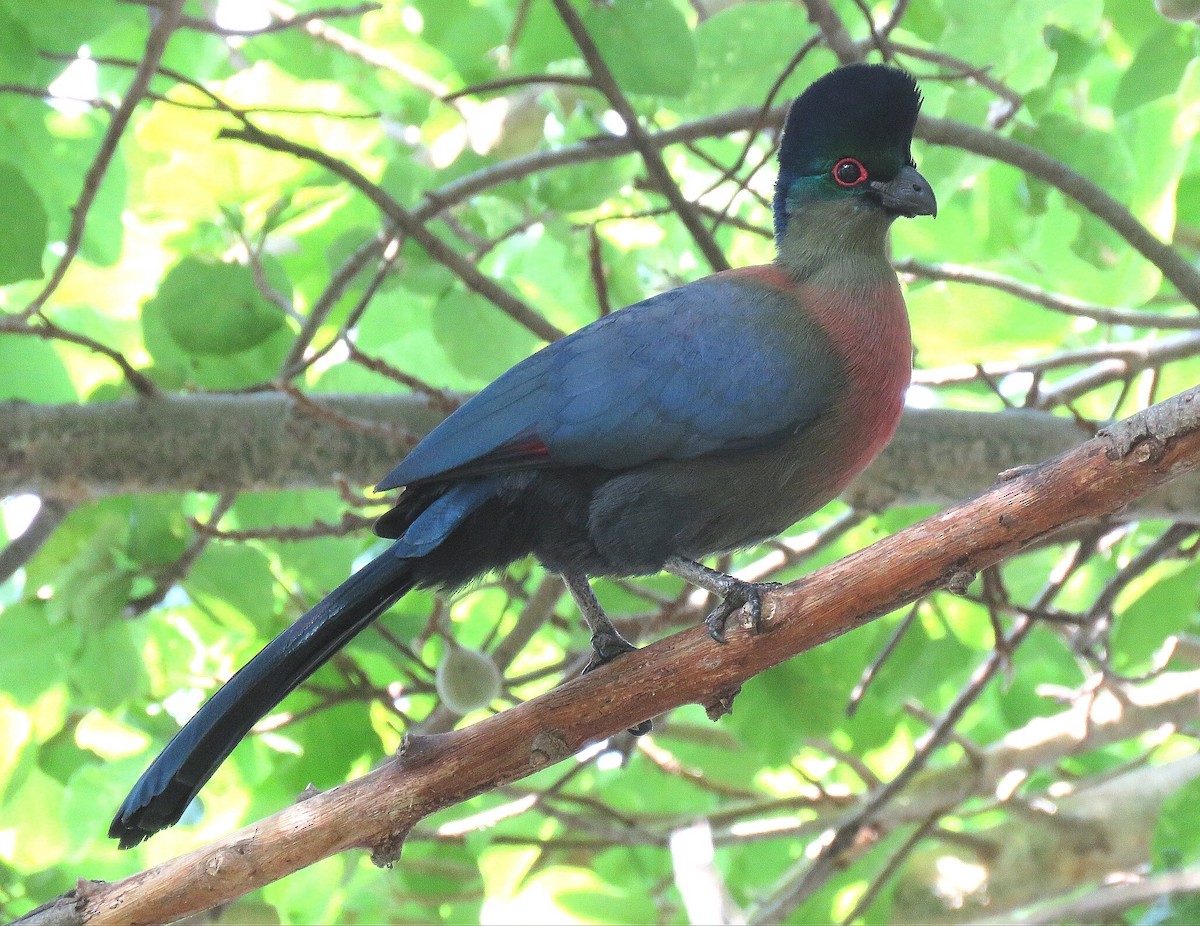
(849, 172)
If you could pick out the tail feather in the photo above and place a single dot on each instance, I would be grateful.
(189, 760)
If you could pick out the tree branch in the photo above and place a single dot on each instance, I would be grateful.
(458, 264)
(267, 441)
(165, 24)
(640, 139)
(1054, 172)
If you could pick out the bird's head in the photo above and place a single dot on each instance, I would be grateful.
(847, 144)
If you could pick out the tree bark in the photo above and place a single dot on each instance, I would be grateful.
(265, 441)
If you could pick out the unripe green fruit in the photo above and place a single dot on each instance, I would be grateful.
(1180, 11)
(467, 679)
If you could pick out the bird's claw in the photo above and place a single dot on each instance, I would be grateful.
(743, 595)
(607, 646)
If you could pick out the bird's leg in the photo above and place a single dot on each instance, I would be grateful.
(607, 643)
(735, 593)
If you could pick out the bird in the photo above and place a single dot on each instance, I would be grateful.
(702, 420)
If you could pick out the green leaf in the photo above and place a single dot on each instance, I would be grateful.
(1156, 70)
(213, 308)
(735, 67)
(25, 630)
(64, 25)
(466, 33)
(18, 56)
(619, 29)
(611, 905)
(228, 576)
(23, 233)
(99, 599)
(1176, 842)
(1166, 606)
(434, 869)
(31, 370)
(55, 153)
(37, 815)
(478, 338)
(157, 531)
(109, 666)
(586, 186)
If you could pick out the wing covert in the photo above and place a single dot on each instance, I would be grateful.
(714, 366)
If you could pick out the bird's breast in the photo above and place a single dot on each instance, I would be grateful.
(868, 326)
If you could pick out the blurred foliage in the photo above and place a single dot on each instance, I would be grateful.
(203, 257)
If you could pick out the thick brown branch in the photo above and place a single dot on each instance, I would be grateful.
(433, 772)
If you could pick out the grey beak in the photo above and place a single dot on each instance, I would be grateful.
(909, 194)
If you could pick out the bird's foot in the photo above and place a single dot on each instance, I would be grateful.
(607, 642)
(738, 594)
(607, 645)
(735, 593)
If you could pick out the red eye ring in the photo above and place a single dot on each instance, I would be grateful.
(849, 172)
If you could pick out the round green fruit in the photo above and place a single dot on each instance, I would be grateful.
(1180, 11)
(467, 679)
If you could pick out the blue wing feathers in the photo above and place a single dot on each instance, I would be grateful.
(716, 365)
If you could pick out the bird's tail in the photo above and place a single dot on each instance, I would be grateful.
(180, 771)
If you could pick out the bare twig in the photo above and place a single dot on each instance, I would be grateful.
(166, 23)
(1089, 195)
(21, 549)
(1067, 305)
(655, 167)
(466, 271)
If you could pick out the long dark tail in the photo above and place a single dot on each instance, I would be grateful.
(180, 771)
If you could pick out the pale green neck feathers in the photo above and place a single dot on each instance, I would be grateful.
(841, 244)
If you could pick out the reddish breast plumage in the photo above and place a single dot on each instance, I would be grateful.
(871, 332)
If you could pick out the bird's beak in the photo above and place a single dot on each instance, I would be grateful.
(909, 194)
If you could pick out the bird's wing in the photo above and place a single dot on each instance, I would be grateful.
(726, 363)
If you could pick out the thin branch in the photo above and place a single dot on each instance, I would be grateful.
(873, 667)
(356, 48)
(165, 24)
(1088, 194)
(1108, 362)
(1105, 902)
(41, 93)
(413, 227)
(821, 14)
(660, 177)
(338, 283)
(42, 327)
(796, 890)
(520, 80)
(177, 570)
(962, 69)
(1067, 305)
(280, 25)
(22, 549)
(891, 867)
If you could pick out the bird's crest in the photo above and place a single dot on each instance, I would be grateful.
(860, 109)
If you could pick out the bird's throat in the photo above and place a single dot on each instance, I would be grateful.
(837, 245)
